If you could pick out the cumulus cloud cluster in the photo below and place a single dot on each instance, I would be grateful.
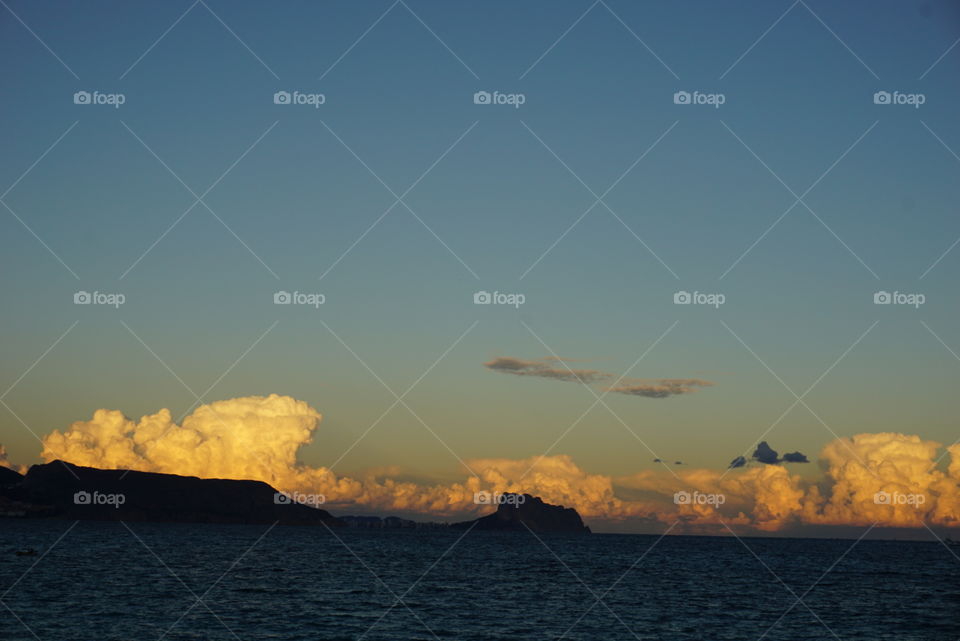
(259, 437)
(557, 369)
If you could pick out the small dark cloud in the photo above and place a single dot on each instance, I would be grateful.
(769, 456)
(662, 387)
(658, 460)
(678, 462)
(545, 368)
(766, 454)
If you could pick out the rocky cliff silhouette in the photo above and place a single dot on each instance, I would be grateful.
(531, 513)
(65, 490)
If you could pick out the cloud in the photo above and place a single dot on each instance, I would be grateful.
(545, 368)
(769, 456)
(259, 437)
(766, 454)
(661, 388)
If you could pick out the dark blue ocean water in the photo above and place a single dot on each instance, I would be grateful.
(103, 582)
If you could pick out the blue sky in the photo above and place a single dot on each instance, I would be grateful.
(800, 98)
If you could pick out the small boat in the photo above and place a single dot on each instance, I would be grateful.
(26, 552)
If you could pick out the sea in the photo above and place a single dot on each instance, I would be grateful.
(102, 581)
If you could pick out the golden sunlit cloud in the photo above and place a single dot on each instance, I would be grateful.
(885, 478)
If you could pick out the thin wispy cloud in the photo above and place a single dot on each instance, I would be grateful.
(556, 368)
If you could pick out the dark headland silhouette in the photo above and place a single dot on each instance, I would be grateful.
(60, 489)
(528, 514)
(63, 490)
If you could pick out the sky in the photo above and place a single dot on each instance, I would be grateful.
(596, 200)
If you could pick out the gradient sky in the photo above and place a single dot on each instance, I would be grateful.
(800, 98)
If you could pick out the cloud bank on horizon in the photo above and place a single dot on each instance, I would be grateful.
(557, 369)
(259, 437)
